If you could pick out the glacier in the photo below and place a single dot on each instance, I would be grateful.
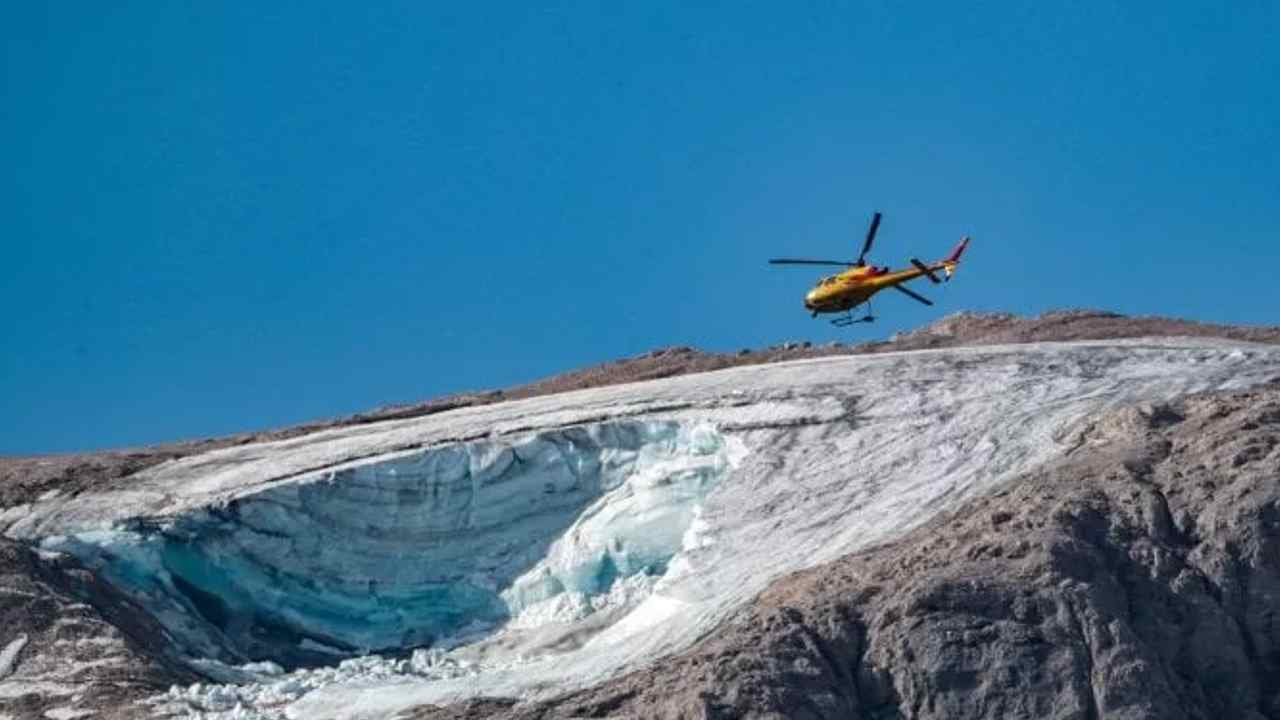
(528, 547)
(419, 548)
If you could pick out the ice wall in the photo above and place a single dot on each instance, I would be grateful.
(420, 548)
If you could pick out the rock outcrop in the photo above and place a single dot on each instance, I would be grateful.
(73, 646)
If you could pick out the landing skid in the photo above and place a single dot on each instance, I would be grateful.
(848, 319)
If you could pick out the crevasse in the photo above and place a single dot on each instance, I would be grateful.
(419, 548)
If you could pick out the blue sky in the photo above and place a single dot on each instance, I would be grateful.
(215, 217)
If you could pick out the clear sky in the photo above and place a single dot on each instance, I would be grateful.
(217, 217)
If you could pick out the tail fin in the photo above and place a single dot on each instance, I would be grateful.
(949, 265)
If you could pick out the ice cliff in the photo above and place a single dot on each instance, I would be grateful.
(419, 547)
(529, 547)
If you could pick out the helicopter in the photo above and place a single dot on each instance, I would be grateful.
(847, 290)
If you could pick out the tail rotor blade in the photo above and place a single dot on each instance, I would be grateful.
(926, 270)
(871, 236)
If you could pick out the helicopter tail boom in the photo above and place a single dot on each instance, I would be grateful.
(949, 265)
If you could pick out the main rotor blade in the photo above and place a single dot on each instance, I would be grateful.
(927, 272)
(871, 236)
(792, 261)
(912, 294)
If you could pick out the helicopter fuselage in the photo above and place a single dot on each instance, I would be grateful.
(844, 291)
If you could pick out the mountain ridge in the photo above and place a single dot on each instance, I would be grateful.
(58, 585)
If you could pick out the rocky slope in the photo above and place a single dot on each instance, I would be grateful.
(1069, 593)
(69, 640)
(1137, 577)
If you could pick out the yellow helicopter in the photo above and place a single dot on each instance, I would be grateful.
(842, 292)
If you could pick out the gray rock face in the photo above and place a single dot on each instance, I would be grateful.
(1137, 578)
(70, 643)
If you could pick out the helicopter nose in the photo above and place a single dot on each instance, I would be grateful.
(810, 300)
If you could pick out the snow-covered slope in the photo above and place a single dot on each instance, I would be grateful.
(553, 542)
